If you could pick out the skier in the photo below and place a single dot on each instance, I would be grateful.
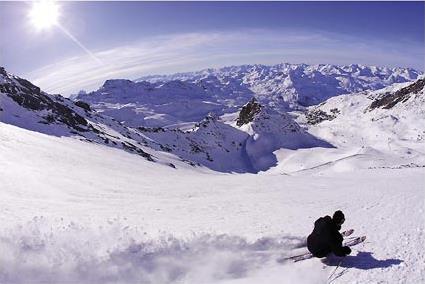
(326, 237)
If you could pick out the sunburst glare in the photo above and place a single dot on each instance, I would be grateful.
(44, 14)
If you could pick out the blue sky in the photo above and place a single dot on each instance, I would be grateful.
(131, 39)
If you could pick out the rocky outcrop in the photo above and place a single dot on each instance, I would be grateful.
(29, 96)
(248, 112)
(390, 100)
(83, 105)
(316, 116)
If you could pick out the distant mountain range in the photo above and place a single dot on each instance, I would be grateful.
(180, 123)
(162, 100)
(295, 84)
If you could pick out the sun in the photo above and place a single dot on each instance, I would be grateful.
(44, 14)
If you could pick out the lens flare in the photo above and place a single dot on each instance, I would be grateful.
(44, 14)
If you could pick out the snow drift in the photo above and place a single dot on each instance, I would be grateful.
(63, 252)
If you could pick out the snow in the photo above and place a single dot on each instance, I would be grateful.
(80, 212)
(152, 104)
(189, 97)
(86, 213)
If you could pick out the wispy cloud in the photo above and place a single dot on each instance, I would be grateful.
(187, 52)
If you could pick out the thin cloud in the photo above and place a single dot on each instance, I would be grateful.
(188, 52)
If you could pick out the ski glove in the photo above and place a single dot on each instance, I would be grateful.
(346, 250)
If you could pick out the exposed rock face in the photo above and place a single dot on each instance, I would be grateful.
(83, 105)
(211, 117)
(248, 112)
(317, 115)
(32, 98)
(129, 147)
(402, 95)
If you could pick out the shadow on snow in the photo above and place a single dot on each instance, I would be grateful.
(363, 260)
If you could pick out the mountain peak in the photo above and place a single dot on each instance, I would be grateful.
(161, 100)
(117, 83)
(296, 84)
(248, 112)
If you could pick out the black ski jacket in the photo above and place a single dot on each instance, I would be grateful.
(326, 238)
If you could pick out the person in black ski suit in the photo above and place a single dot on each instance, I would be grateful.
(326, 238)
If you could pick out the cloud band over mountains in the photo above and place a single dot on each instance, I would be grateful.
(193, 51)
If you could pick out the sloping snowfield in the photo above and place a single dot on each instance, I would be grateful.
(76, 212)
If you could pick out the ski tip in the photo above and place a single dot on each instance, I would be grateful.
(347, 233)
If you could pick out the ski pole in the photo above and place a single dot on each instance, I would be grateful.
(333, 272)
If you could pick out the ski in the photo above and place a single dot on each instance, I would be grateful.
(349, 243)
(354, 241)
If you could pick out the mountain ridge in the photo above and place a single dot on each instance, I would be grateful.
(210, 143)
(292, 75)
(248, 138)
(188, 97)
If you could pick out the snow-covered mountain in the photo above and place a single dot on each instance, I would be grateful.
(220, 146)
(294, 84)
(241, 145)
(395, 113)
(269, 131)
(370, 129)
(188, 97)
(24, 105)
(249, 141)
(152, 205)
(152, 104)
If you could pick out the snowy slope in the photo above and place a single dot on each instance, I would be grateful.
(269, 131)
(188, 97)
(209, 143)
(226, 146)
(103, 212)
(152, 104)
(76, 212)
(375, 128)
(24, 105)
(364, 121)
(367, 131)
